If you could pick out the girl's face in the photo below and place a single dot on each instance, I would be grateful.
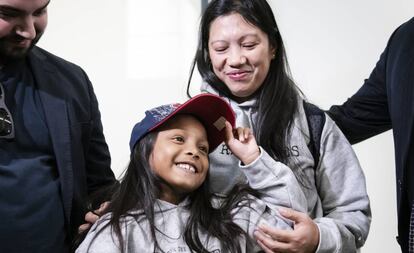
(240, 54)
(180, 157)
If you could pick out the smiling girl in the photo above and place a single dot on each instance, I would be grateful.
(164, 204)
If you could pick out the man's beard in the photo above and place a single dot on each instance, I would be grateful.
(11, 52)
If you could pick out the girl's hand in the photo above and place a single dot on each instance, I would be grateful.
(242, 143)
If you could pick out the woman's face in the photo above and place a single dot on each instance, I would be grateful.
(240, 54)
(180, 157)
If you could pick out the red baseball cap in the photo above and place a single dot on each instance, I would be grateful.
(211, 110)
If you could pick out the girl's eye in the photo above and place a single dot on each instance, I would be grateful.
(204, 149)
(8, 14)
(39, 12)
(178, 139)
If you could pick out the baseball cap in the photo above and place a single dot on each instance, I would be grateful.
(211, 110)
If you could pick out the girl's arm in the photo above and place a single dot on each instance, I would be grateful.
(274, 180)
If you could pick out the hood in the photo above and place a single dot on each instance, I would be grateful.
(246, 112)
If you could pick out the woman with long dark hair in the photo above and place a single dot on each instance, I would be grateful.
(241, 57)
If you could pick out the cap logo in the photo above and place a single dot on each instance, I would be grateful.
(161, 112)
(220, 123)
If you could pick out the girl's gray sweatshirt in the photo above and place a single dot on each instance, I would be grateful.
(273, 179)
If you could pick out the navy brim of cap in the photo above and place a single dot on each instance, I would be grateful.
(212, 111)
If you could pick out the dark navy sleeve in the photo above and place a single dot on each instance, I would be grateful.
(366, 113)
(98, 160)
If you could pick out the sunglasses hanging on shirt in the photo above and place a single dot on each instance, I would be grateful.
(6, 121)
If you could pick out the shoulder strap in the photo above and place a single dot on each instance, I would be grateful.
(316, 120)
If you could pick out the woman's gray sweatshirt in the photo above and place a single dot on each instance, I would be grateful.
(335, 190)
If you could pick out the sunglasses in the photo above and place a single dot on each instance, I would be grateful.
(6, 121)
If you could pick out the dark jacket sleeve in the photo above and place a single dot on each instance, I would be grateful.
(93, 179)
(82, 155)
(366, 113)
(98, 171)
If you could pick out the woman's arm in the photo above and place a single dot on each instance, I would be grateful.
(345, 216)
(341, 186)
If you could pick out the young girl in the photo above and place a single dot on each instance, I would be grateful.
(164, 204)
(241, 57)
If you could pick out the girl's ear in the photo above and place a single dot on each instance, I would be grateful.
(150, 160)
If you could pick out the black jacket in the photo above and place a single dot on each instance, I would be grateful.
(385, 101)
(74, 123)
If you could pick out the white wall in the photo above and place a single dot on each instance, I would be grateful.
(137, 54)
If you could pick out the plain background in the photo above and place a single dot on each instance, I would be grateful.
(138, 54)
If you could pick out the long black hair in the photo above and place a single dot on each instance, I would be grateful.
(140, 188)
(277, 98)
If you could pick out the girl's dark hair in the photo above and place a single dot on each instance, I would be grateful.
(277, 98)
(139, 189)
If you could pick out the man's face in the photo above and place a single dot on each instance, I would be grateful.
(22, 23)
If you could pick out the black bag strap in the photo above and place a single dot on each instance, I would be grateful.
(316, 120)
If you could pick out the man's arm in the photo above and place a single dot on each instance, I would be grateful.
(97, 161)
(366, 113)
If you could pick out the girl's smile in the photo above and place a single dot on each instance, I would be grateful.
(180, 157)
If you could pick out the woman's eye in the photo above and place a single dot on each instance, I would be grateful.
(220, 48)
(249, 45)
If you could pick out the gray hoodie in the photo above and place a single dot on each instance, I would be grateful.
(273, 179)
(336, 193)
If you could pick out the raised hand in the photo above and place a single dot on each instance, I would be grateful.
(242, 143)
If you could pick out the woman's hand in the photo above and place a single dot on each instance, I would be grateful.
(242, 143)
(304, 238)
